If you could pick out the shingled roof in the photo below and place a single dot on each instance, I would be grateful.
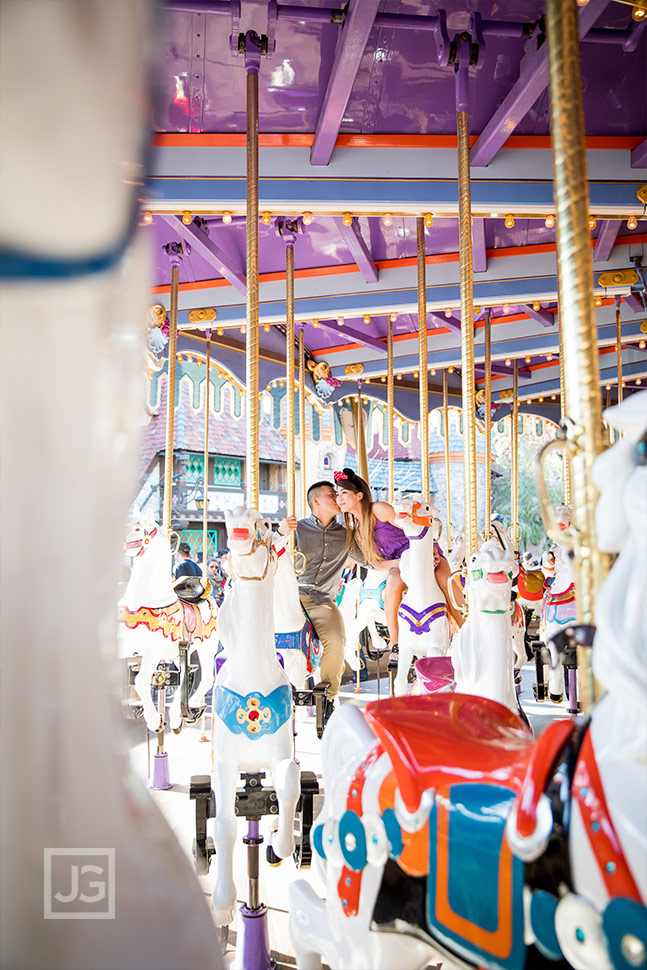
(226, 432)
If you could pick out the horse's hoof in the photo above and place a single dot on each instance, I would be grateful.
(556, 698)
(178, 729)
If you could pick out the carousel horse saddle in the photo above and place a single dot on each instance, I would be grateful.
(435, 674)
(436, 740)
(192, 589)
(530, 584)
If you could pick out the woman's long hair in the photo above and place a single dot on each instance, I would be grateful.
(359, 530)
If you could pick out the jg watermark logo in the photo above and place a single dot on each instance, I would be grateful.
(79, 884)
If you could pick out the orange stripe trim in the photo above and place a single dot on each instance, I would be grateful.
(296, 140)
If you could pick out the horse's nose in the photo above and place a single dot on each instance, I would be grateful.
(240, 534)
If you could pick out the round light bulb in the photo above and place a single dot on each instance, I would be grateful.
(186, 217)
(592, 223)
(415, 373)
(383, 379)
(477, 310)
(266, 218)
(549, 221)
(347, 219)
(387, 219)
(315, 324)
(393, 317)
(450, 370)
(536, 305)
(632, 222)
(307, 218)
(553, 397)
(226, 217)
(367, 318)
(266, 327)
(220, 332)
(448, 312)
(642, 345)
(340, 321)
(433, 372)
(638, 381)
(549, 356)
(429, 219)
(540, 400)
(507, 362)
(607, 387)
(509, 221)
(598, 301)
(639, 11)
(398, 377)
(243, 329)
(527, 358)
(506, 308)
(147, 218)
(281, 383)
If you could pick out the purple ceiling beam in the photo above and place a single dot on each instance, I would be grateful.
(350, 49)
(499, 371)
(359, 250)
(606, 239)
(532, 82)
(360, 338)
(639, 155)
(479, 252)
(634, 301)
(451, 323)
(199, 240)
(544, 318)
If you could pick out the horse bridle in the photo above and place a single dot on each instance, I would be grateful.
(142, 543)
(256, 542)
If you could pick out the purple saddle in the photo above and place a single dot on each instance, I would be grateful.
(435, 674)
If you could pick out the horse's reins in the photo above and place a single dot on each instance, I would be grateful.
(142, 543)
(255, 544)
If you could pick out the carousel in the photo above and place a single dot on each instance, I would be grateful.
(432, 213)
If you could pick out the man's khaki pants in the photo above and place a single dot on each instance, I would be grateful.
(329, 626)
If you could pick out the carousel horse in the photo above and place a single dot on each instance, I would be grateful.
(369, 612)
(294, 634)
(153, 620)
(72, 255)
(448, 833)
(423, 616)
(347, 601)
(252, 724)
(558, 606)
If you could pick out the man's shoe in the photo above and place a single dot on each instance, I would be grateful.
(393, 657)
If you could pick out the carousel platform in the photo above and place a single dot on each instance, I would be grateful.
(188, 755)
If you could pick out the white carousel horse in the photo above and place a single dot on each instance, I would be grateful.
(153, 619)
(558, 606)
(295, 637)
(434, 805)
(423, 616)
(252, 724)
(368, 596)
(69, 258)
(347, 601)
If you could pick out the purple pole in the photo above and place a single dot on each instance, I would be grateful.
(253, 945)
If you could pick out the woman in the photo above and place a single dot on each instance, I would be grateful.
(372, 525)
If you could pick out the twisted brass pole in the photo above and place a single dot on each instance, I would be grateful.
(205, 470)
(448, 484)
(302, 423)
(170, 401)
(389, 405)
(575, 272)
(289, 374)
(563, 403)
(467, 331)
(360, 438)
(252, 286)
(619, 349)
(487, 511)
(514, 464)
(422, 349)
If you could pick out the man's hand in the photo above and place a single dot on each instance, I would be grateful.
(288, 525)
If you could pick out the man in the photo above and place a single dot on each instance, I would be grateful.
(185, 566)
(322, 539)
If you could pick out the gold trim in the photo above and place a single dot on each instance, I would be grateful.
(202, 315)
(170, 401)
(618, 277)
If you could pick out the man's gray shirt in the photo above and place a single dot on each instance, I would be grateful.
(325, 550)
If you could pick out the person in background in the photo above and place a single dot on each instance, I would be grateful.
(184, 565)
(217, 579)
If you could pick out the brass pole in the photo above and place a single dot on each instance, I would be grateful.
(205, 494)
(360, 439)
(289, 374)
(487, 503)
(563, 402)
(448, 484)
(467, 331)
(612, 436)
(390, 417)
(170, 400)
(619, 349)
(302, 423)
(422, 350)
(514, 464)
(575, 272)
(252, 288)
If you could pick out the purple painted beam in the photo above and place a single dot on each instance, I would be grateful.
(606, 239)
(199, 240)
(479, 252)
(639, 155)
(545, 319)
(532, 82)
(634, 301)
(359, 250)
(349, 53)
(499, 371)
(356, 335)
(451, 323)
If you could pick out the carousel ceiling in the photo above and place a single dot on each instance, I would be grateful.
(357, 129)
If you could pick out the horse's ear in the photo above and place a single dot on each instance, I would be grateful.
(149, 517)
